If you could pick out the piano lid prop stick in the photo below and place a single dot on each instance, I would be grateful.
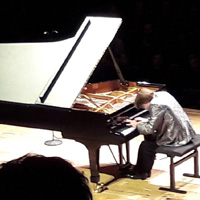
(119, 73)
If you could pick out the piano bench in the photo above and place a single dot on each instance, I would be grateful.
(184, 152)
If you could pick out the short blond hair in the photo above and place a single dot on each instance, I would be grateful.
(144, 96)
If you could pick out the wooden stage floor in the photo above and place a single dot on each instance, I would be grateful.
(18, 141)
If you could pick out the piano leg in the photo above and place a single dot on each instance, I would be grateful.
(94, 163)
(121, 156)
(127, 152)
(93, 151)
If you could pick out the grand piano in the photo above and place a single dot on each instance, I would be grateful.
(46, 85)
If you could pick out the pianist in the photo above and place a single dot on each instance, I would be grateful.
(167, 124)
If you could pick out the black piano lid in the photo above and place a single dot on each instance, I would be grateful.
(27, 69)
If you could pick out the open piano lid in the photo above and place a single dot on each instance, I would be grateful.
(54, 73)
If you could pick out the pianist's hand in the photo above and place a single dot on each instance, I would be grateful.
(121, 118)
(141, 119)
(136, 121)
(131, 122)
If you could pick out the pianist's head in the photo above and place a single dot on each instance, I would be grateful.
(143, 98)
(40, 178)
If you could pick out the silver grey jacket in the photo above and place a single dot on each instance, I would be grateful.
(168, 122)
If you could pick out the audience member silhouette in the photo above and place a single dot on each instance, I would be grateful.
(38, 177)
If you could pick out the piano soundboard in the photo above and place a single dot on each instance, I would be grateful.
(113, 97)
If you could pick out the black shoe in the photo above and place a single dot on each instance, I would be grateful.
(127, 170)
(148, 174)
(141, 176)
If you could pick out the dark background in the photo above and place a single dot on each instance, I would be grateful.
(159, 40)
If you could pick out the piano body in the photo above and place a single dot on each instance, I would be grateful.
(45, 85)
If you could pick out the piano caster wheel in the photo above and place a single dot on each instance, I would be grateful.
(99, 187)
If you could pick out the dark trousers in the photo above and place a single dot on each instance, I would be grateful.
(146, 156)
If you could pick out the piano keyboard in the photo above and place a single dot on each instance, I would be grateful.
(126, 130)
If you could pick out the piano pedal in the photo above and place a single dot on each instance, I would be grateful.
(99, 187)
(125, 166)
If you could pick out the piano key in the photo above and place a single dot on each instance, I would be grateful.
(126, 130)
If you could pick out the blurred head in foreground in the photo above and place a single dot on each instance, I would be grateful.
(40, 178)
